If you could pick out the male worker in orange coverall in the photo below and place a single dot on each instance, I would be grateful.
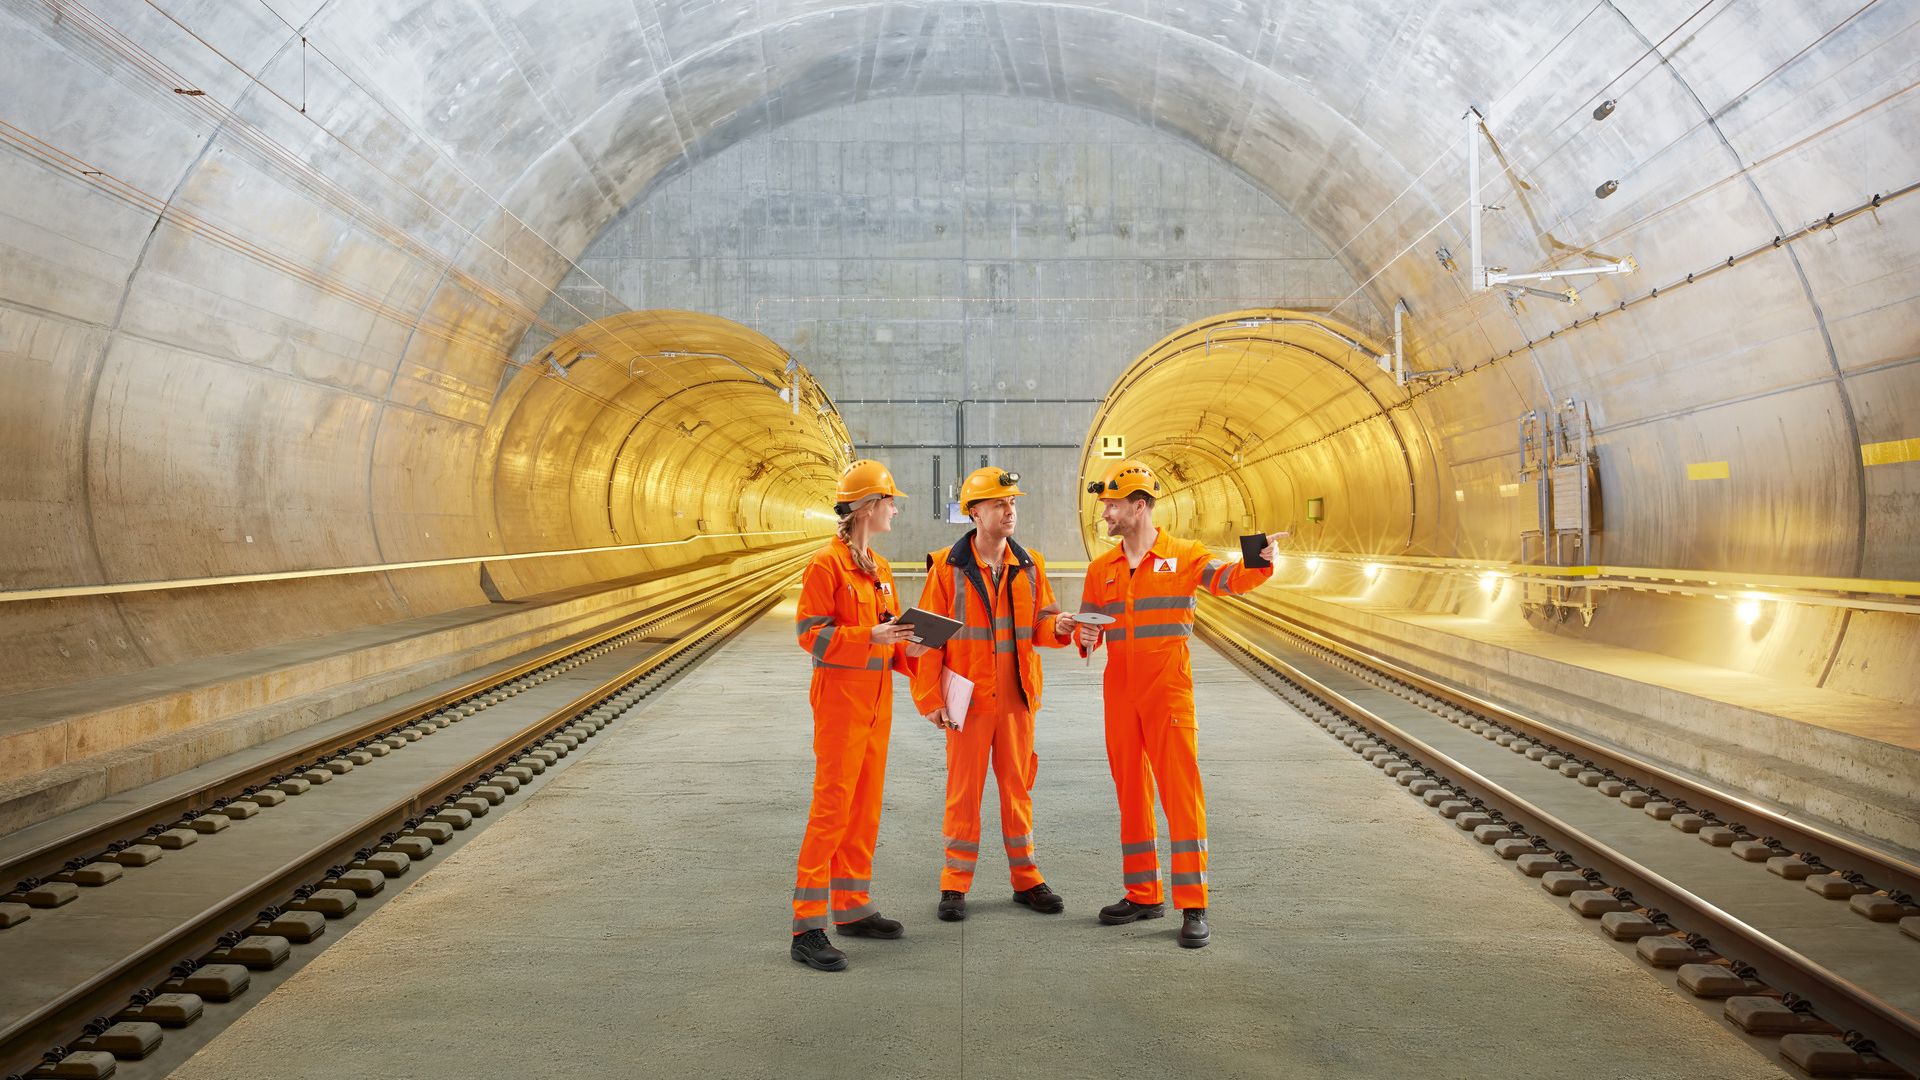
(1147, 584)
(999, 593)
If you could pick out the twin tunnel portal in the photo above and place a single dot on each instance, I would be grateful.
(1520, 702)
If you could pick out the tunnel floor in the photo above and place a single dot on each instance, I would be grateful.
(630, 918)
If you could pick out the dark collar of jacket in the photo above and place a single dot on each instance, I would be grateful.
(961, 555)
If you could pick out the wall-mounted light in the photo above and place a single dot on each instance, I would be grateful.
(1604, 109)
(1748, 610)
(1372, 571)
(1490, 583)
(1313, 566)
(1606, 189)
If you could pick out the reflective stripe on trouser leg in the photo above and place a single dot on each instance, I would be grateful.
(1173, 751)
(852, 720)
(967, 751)
(1014, 768)
(840, 750)
(853, 863)
(1133, 788)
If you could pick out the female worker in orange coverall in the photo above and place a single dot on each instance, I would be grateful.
(845, 622)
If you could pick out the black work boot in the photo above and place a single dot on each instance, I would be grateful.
(814, 950)
(1195, 934)
(875, 925)
(1041, 899)
(953, 905)
(1127, 911)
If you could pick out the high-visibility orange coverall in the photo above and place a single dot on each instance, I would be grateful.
(1151, 730)
(1003, 618)
(852, 698)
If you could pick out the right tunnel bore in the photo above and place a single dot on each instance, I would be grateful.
(1471, 498)
(1264, 420)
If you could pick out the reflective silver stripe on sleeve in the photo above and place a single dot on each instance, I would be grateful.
(1018, 861)
(1043, 619)
(1140, 877)
(821, 642)
(961, 845)
(1164, 630)
(1138, 847)
(809, 894)
(962, 864)
(811, 621)
(1015, 843)
(841, 884)
(1189, 845)
(1211, 575)
(874, 664)
(1189, 877)
(811, 922)
(1164, 603)
(854, 914)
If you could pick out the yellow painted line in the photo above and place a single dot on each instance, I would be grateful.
(1890, 453)
(1707, 470)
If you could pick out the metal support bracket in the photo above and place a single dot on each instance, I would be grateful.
(1480, 275)
(1396, 364)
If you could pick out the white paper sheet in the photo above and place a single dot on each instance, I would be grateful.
(957, 691)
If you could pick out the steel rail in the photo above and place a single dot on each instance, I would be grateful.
(84, 841)
(1897, 873)
(1835, 999)
(23, 1042)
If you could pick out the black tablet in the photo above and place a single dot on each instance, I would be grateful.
(932, 630)
(1250, 549)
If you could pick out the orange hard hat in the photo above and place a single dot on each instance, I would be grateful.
(988, 483)
(865, 478)
(1124, 479)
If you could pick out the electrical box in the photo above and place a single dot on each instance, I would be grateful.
(1316, 509)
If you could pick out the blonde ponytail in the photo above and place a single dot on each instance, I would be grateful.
(861, 559)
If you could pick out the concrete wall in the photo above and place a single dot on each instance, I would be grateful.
(1014, 254)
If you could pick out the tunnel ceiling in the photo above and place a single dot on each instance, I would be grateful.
(321, 227)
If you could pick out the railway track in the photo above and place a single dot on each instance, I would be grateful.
(1806, 935)
(120, 930)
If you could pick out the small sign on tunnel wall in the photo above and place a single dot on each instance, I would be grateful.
(1316, 509)
(1113, 446)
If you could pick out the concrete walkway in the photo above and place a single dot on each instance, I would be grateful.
(631, 920)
